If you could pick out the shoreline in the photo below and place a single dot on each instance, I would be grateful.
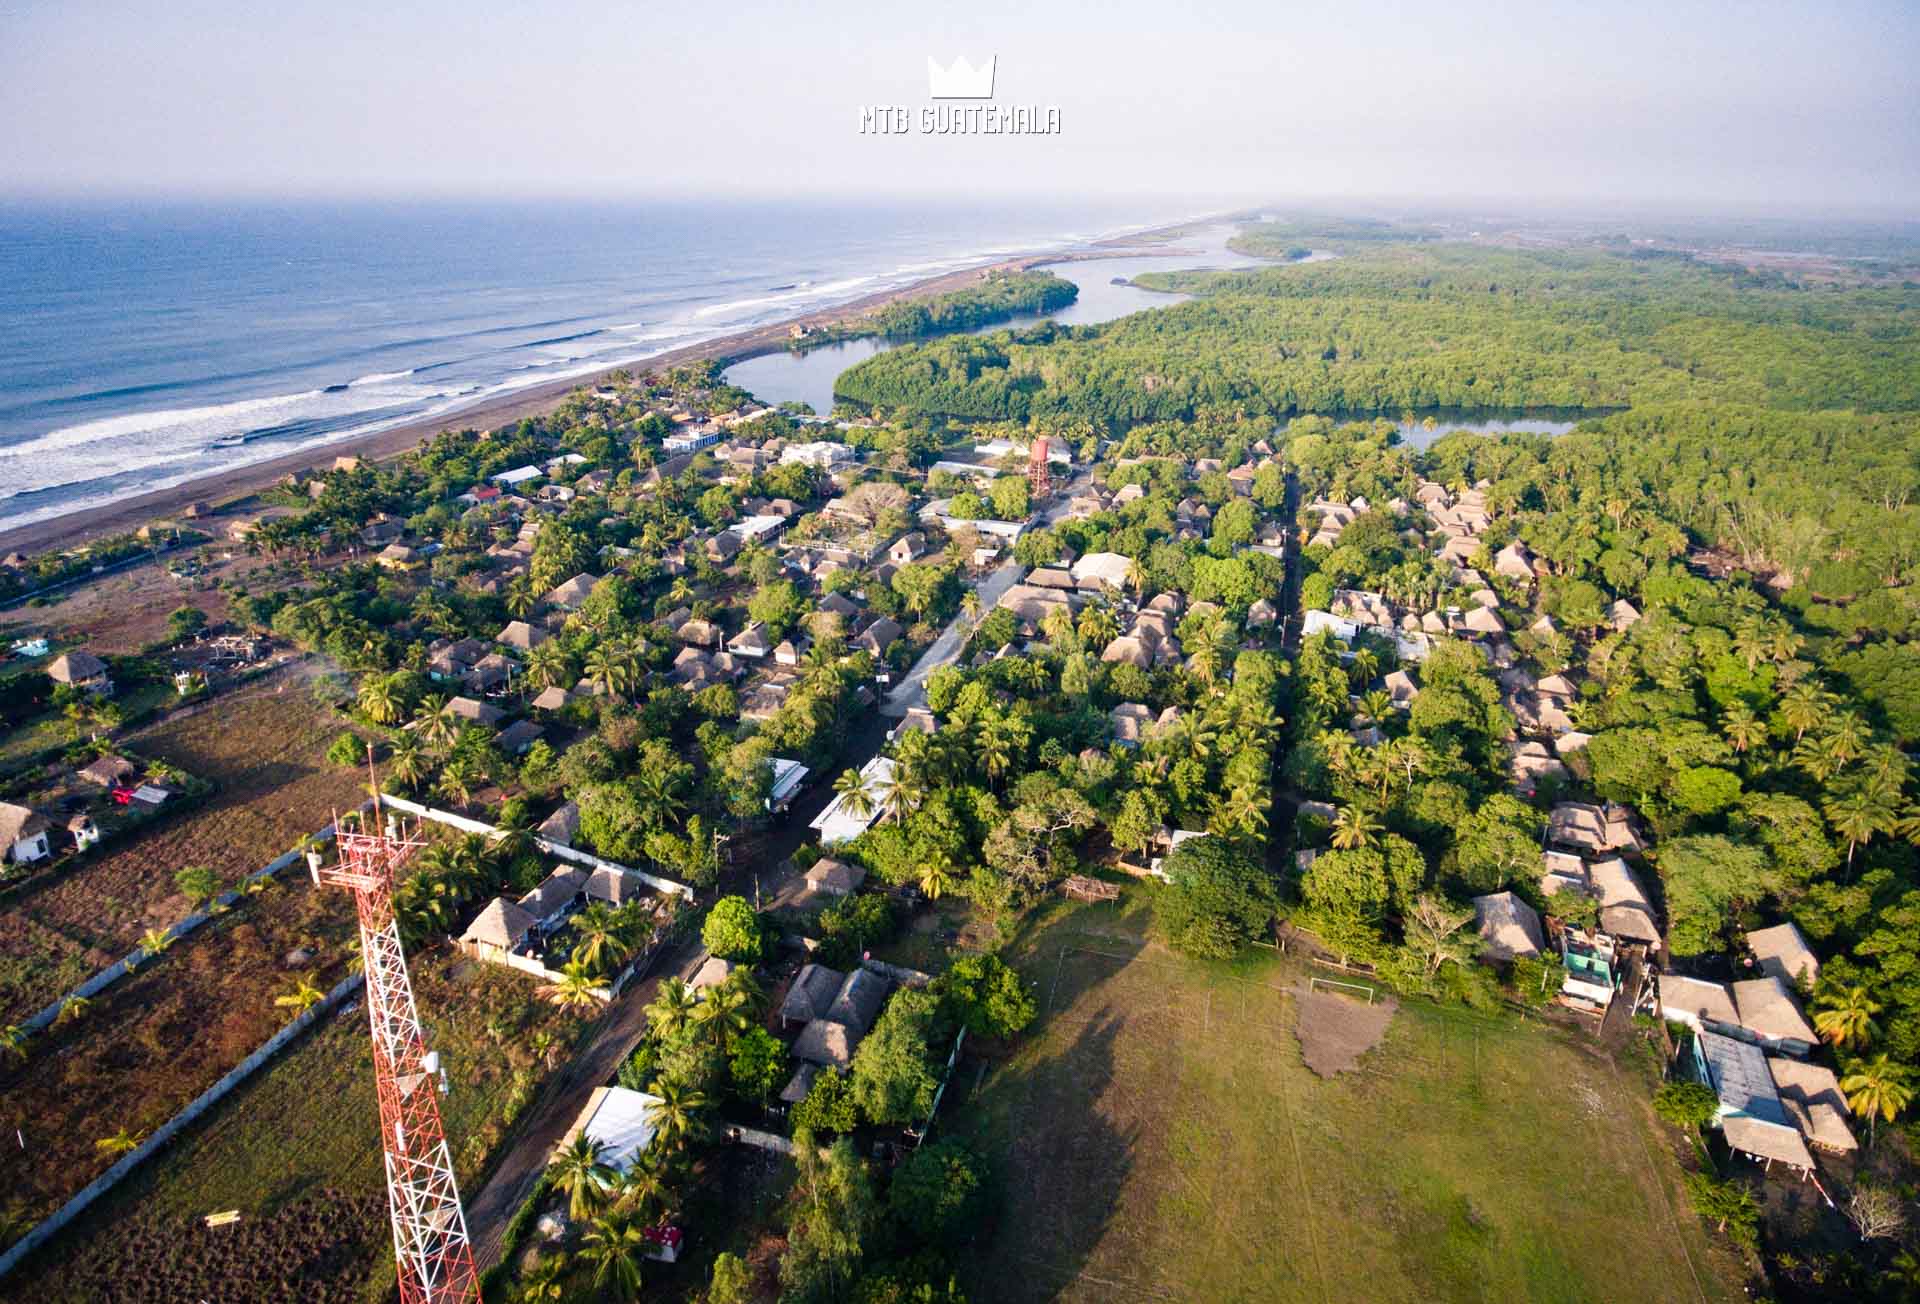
(222, 488)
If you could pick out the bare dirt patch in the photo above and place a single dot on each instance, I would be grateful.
(1335, 1030)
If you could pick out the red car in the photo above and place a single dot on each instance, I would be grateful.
(122, 796)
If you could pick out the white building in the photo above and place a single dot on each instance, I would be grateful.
(836, 824)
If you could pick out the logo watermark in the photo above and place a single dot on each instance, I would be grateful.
(960, 80)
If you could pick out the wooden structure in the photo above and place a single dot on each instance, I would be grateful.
(1082, 888)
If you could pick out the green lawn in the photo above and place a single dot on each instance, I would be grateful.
(1159, 1137)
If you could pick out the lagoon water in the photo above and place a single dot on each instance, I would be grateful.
(145, 344)
(808, 377)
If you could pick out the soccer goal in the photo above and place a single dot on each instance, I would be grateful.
(1315, 983)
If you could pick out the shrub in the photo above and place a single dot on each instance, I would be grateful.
(1686, 1104)
(346, 751)
(986, 996)
(938, 1194)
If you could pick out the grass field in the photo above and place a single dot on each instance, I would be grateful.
(1159, 1138)
(263, 752)
(295, 1150)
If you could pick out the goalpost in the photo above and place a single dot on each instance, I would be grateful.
(1315, 982)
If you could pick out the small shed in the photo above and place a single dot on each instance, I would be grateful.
(835, 877)
(1509, 927)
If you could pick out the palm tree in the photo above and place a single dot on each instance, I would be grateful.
(1098, 626)
(407, 762)
(970, 606)
(900, 792)
(457, 780)
(303, 996)
(379, 701)
(1751, 642)
(1878, 1088)
(603, 944)
(1803, 707)
(610, 669)
(643, 1188)
(436, 727)
(546, 1281)
(583, 1174)
(1857, 817)
(1354, 828)
(724, 1013)
(1375, 704)
(1364, 667)
(854, 798)
(1742, 727)
(1845, 1017)
(614, 1246)
(672, 1006)
(938, 876)
(574, 989)
(548, 666)
(119, 1143)
(677, 1116)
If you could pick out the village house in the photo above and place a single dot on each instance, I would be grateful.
(1509, 928)
(834, 877)
(81, 670)
(23, 833)
(1781, 952)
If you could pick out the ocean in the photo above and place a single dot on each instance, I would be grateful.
(142, 345)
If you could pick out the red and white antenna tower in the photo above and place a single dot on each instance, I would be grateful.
(1039, 472)
(430, 1244)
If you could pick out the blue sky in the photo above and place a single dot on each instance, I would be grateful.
(1750, 106)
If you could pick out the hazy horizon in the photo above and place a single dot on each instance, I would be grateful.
(1705, 110)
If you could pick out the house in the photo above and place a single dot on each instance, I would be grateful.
(792, 651)
(571, 595)
(788, 775)
(521, 637)
(563, 826)
(489, 672)
(751, 641)
(1261, 614)
(552, 698)
(1781, 952)
(858, 1001)
(835, 877)
(476, 712)
(1622, 615)
(1751, 1114)
(516, 738)
(1400, 686)
(1514, 561)
(108, 771)
(82, 830)
(908, 547)
(810, 994)
(401, 557)
(82, 670)
(497, 931)
(826, 1043)
(837, 824)
(515, 478)
(1509, 927)
(1813, 1099)
(1625, 911)
(722, 548)
(1591, 828)
(1533, 764)
(879, 636)
(690, 440)
(1770, 1012)
(620, 1121)
(23, 834)
(711, 974)
(1109, 569)
(1130, 721)
(1698, 1004)
(549, 903)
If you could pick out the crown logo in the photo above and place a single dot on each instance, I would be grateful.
(962, 81)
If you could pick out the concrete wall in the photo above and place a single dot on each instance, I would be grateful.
(553, 849)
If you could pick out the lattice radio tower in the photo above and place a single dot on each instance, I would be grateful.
(430, 1244)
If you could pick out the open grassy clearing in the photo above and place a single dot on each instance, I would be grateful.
(296, 1151)
(1159, 1137)
(263, 752)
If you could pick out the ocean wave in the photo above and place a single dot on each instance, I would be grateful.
(809, 291)
(380, 377)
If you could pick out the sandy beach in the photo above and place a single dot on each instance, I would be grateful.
(224, 487)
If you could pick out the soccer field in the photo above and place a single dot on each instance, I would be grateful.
(1159, 1137)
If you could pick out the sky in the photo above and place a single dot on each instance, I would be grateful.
(1738, 107)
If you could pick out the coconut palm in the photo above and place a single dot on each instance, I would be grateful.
(938, 876)
(548, 666)
(1845, 1016)
(1364, 667)
(575, 988)
(156, 940)
(1375, 704)
(434, 725)
(677, 1116)
(1354, 828)
(119, 1143)
(670, 1009)
(407, 762)
(614, 1246)
(970, 606)
(1098, 626)
(724, 1013)
(457, 780)
(1744, 729)
(581, 1171)
(611, 669)
(379, 701)
(643, 1188)
(1878, 1088)
(546, 1281)
(604, 943)
(301, 997)
(854, 798)
(1857, 817)
(1804, 706)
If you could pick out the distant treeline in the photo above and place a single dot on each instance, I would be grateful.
(998, 297)
(1288, 238)
(1403, 327)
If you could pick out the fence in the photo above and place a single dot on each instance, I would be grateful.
(140, 956)
(524, 963)
(100, 1185)
(554, 849)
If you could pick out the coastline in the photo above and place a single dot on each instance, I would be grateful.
(224, 487)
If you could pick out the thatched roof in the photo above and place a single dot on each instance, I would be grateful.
(1509, 927)
(826, 1043)
(75, 668)
(811, 993)
(502, 924)
(1767, 1007)
(1783, 953)
(859, 1000)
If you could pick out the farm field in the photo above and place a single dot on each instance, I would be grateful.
(262, 750)
(1160, 1137)
(295, 1150)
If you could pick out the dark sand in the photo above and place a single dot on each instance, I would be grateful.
(229, 486)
